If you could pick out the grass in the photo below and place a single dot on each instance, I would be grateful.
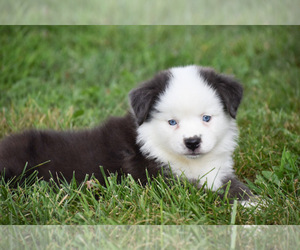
(154, 12)
(73, 77)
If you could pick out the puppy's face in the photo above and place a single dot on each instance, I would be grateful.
(186, 117)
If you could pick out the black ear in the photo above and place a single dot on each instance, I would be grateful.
(229, 90)
(143, 98)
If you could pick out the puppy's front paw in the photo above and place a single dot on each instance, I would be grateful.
(253, 201)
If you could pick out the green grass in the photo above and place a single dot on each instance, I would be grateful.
(117, 12)
(74, 77)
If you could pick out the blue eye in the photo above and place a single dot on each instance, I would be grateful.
(172, 122)
(206, 118)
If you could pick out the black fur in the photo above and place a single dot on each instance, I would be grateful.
(236, 189)
(229, 90)
(143, 98)
(112, 146)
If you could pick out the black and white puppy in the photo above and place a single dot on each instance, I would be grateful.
(182, 120)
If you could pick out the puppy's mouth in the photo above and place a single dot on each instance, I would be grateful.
(193, 155)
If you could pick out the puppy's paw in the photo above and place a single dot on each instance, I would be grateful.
(253, 201)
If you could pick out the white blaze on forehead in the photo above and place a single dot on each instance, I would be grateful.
(188, 93)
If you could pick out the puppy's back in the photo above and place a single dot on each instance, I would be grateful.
(112, 146)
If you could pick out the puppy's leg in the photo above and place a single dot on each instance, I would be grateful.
(236, 190)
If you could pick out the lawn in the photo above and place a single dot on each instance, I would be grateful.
(117, 12)
(66, 77)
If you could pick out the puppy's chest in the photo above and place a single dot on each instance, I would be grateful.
(190, 169)
(201, 172)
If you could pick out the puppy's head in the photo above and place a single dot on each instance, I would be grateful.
(185, 112)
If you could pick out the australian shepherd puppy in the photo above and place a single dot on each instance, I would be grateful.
(182, 120)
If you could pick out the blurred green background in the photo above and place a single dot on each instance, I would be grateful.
(120, 12)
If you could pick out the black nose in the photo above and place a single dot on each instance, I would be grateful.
(192, 143)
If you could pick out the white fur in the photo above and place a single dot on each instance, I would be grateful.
(187, 98)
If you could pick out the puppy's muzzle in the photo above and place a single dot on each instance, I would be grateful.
(192, 143)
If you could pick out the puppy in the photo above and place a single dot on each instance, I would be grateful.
(181, 121)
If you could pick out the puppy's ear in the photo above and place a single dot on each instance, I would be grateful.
(229, 90)
(143, 98)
